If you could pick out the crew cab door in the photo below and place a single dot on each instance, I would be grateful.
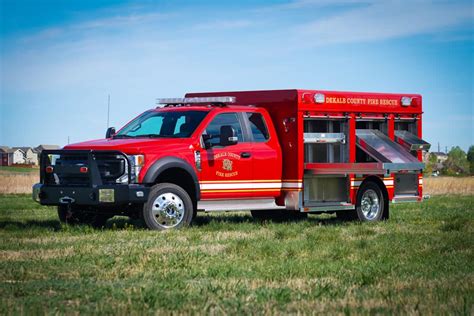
(226, 170)
(266, 156)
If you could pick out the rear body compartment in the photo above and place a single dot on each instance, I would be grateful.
(332, 142)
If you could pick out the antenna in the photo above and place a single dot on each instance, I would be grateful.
(108, 110)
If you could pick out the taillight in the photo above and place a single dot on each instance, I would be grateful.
(49, 169)
(84, 169)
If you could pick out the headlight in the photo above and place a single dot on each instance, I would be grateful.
(136, 164)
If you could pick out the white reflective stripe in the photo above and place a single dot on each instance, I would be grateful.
(388, 182)
(247, 185)
(250, 185)
(420, 181)
(292, 185)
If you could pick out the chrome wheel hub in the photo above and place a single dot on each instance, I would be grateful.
(370, 204)
(168, 210)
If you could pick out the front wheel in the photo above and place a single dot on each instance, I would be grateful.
(168, 206)
(370, 203)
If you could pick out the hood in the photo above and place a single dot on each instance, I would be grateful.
(133, 146)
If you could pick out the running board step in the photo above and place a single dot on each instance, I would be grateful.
(237, 205)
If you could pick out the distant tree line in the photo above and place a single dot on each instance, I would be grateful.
(458, 163)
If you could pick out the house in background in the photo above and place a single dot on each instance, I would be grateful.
(440, 160)
(31, 156)
(18, 156)
(440, 156)
(22, 155)
(6, 156)
(11, 156)
(40, 148)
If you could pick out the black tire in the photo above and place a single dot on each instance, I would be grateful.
(76, 216)
(370, 206)
(277, 215)
(176, 206)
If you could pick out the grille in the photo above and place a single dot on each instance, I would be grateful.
(66, 165)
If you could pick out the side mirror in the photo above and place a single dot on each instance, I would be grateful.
(206, 138)
(110, 132)
(228, 136)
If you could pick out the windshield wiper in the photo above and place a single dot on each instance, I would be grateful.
(138, 136)
(123, 136)
(150, 135)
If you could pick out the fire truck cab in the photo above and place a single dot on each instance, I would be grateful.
(280, 154)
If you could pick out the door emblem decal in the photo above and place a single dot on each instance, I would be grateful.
(227, 164)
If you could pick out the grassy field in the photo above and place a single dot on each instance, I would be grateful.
(448, 185)
(18, 169)
(419, 262)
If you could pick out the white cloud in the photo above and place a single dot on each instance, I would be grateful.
(224, 24)
(298, 4)
(43, 35)
(116, 22)
(122, 20)
(387, 19)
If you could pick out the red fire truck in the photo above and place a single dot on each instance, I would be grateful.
(280, 154)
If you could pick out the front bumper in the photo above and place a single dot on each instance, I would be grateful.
(103, 195)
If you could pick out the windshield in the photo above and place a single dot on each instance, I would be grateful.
(163, 124)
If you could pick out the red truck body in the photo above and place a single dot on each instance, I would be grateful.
(312, 152)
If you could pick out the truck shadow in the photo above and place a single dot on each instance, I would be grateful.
(30, 224)
(203, 220)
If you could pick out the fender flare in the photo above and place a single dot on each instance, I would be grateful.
(163, 164)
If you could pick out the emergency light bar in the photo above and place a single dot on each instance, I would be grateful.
(195, 100)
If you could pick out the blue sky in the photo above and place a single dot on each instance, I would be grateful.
(60, 59)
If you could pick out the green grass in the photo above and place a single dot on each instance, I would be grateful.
(18, 169)
(419, 262)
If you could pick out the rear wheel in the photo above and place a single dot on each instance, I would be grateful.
(370, 205)
(75, 216)
(168, 206)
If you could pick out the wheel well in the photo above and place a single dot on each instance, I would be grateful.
(382, 187)
(181, 178)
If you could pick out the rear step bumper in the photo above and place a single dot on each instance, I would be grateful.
(405, 198)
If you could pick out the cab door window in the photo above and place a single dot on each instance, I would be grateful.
(258, 127)
(214, 128)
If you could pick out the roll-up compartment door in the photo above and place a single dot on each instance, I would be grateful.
(410, 141)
